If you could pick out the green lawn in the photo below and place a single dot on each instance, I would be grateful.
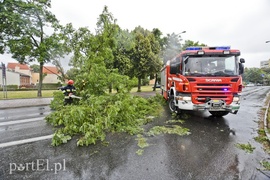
(26, 94)
(49, 93)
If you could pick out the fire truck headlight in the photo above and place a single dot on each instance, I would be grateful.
(200, 52)
(236, 99)
(187, 98)
(226, 52)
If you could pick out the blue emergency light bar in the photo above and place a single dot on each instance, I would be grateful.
(194, 48)
(223, 48)
(214, 48)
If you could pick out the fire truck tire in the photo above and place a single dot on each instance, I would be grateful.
(172, 106)
(219, 113)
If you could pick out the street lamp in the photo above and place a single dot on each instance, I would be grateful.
(180, 39)
(181, 33)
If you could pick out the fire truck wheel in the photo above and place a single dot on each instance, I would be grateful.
(172, 106)
(219, 113)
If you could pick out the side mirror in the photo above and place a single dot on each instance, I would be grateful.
(242, 60)
(241, 68)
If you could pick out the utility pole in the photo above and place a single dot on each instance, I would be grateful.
(4, 80)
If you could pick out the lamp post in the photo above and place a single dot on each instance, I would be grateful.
(180, 38)
(268, 61)
(181, 33)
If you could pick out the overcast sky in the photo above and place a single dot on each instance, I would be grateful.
(241, 24)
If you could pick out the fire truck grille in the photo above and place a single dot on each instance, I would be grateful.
(213, 88)
(213, 84)
(204, 92)
(202, 98)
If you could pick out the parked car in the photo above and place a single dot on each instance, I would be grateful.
(250, 85)
(157, 86)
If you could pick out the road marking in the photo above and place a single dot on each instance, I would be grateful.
(13, 143)
(30, 115)
(21, 121)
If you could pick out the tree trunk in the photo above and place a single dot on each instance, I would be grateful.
(40, 79)
(139, 84)
(110, 88)
(154, 89)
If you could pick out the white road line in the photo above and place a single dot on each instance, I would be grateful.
(21, 121)
(13, 143)
(30, 115)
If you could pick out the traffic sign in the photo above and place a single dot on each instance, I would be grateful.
(3, 70)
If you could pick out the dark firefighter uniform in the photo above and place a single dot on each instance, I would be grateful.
(68, 91)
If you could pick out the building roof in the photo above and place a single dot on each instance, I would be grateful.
(21, 66)
(50, 70)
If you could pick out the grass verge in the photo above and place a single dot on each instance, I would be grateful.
(262, 137)
(26, 94)
(49, 93)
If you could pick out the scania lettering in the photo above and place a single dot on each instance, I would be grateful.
(213, 80)
(204, 78)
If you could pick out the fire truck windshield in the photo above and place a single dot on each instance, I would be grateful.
(211, 66)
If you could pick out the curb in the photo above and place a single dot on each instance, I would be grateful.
(22, 106)
(265, 120)
(19, 103)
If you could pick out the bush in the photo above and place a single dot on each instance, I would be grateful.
(58, 100)
(10, 87)
(145, 82)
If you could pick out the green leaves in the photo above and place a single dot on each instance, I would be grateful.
(174, 129)
(254, 75)
(246, 147)
(97, 115)
(58, 100)
(29, 31)
(60, 138)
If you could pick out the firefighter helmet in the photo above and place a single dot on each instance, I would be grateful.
(70, 82)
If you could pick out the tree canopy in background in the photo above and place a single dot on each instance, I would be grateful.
(189, 43)
(29, 32)
(256, 75)
(145, 54)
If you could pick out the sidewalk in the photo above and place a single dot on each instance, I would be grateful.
(15, 103)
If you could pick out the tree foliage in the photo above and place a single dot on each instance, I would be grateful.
(35, 68)
(97, 60)
(189, 43)
(172, 46)
(93, 55)
(145, 54)
(92, 119)
(121, 53)
(255, 75)
(26, 27)
(62, 77)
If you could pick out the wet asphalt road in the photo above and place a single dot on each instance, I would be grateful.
(209, 152)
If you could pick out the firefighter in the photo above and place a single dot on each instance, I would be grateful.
(68, 91)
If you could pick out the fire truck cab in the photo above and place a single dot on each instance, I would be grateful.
(204, 78)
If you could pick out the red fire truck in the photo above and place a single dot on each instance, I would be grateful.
(204, 78)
